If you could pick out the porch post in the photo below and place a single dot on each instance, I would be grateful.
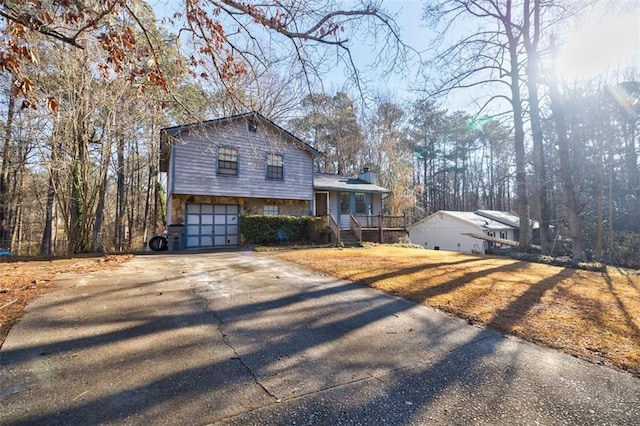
(380, 226)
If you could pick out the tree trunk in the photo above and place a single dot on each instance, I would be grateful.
(147, 200)
(599, 201)
(151, 178)
(602, 135)
(5, 172)
(571, 205)
(456, 191)
(631, 157)
(97, 243)
(46, 246)
(16, 231)
(521, 174)
(531, 47)
(120, 197)
(611, 164)
(160, 201)
(492, 182)
(75, 208)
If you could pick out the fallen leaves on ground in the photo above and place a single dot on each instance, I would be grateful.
(23, 280)
(592, 315)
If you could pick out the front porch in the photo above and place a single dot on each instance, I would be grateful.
(371, 228)
(353, 208)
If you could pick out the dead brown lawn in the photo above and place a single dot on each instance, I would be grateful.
(592, 315)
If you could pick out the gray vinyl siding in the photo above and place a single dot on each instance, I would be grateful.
(195, 163)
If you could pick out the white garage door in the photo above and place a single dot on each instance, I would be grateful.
(212, 225)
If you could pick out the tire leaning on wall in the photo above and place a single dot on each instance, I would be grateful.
(158, 243)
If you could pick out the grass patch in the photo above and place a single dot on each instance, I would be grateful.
(592, 315)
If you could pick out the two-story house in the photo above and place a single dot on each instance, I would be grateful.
(221, 169)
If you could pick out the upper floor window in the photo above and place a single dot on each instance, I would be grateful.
(361, 204)
(275, 169)
(227, 161)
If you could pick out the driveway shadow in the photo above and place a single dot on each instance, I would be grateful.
(279, 351)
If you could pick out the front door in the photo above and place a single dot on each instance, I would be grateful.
(345, 210)
(322, 202)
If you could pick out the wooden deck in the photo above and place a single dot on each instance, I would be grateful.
(387, 223)
(368, 227)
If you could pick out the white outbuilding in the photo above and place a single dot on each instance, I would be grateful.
(445, 230)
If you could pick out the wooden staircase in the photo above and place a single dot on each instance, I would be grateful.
(348, 239)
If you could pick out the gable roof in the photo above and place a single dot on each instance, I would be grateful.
(168, 133)
(504, 217)
(484, 219)
(477, 220)
(328, 182)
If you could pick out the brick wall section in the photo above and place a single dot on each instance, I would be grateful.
(247, 205)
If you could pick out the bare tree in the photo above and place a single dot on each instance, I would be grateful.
(565, 170)
(6, 170)
(490, 56)
(389, 152)
(227, 38)
(330, 124)
(531, 33)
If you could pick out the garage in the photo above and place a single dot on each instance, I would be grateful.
(212, 225)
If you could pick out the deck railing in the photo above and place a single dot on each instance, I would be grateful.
(333, 225)
(366, 221)
(380, 221)
(355, 227)
(359, 223)
(394, 222)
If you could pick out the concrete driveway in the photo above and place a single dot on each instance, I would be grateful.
(241, 338)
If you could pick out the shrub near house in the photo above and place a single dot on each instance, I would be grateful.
(259, 229)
